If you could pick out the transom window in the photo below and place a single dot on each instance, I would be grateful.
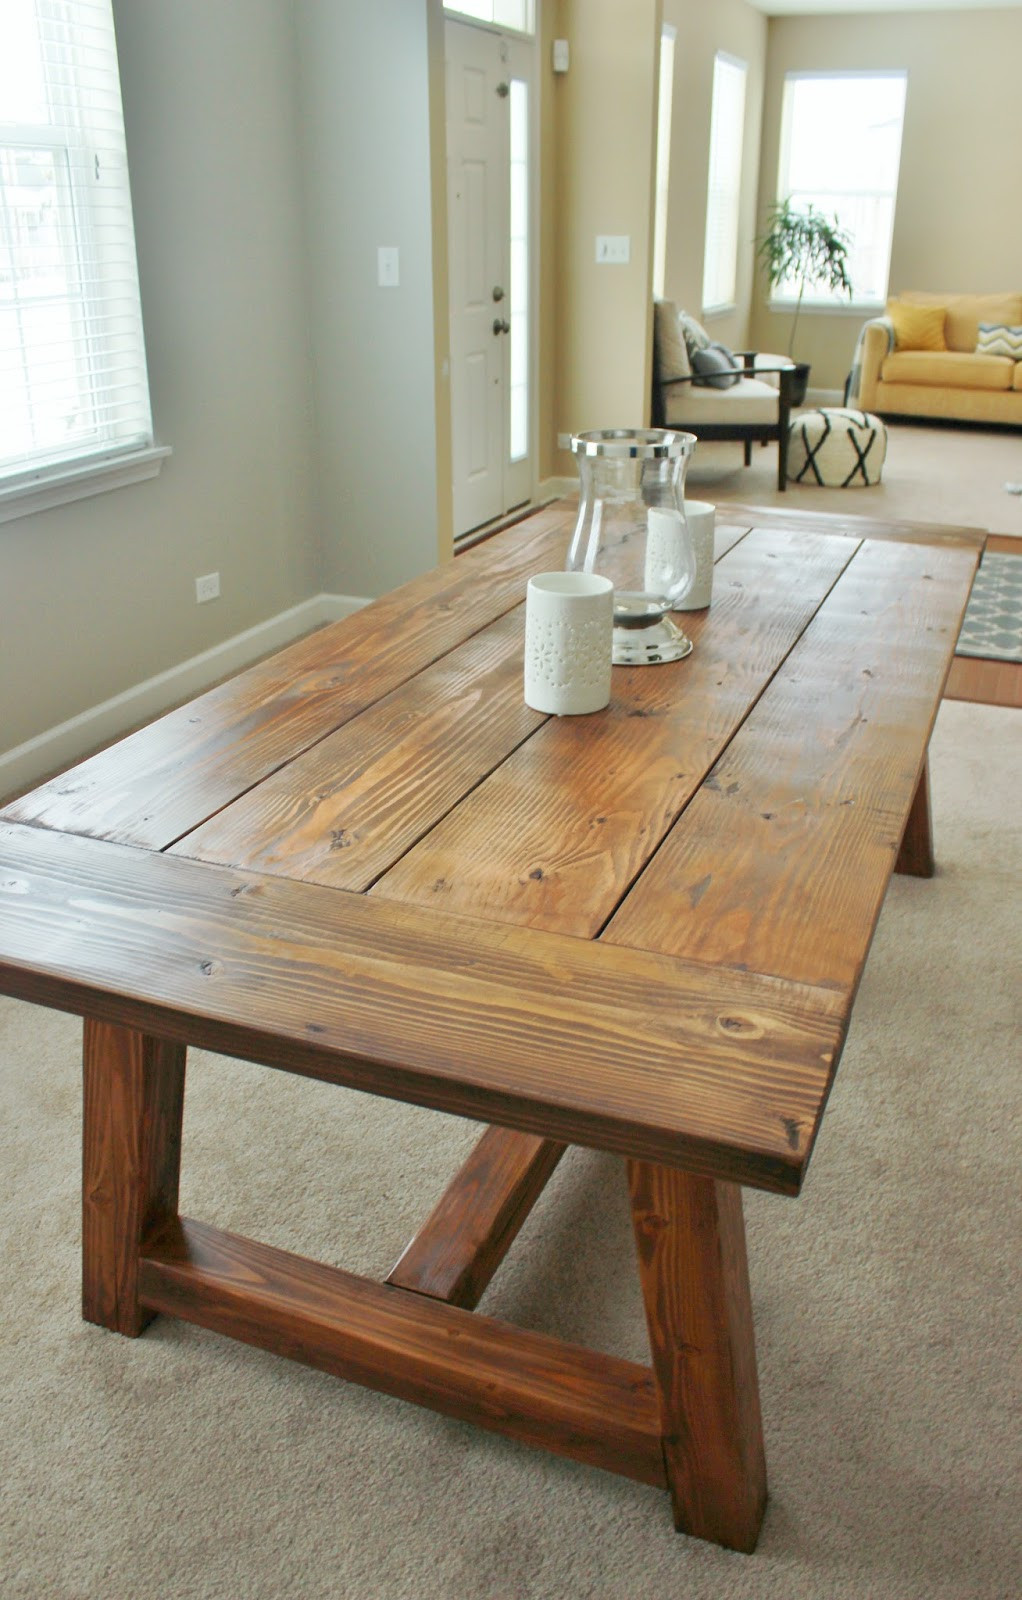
(519, 15)
(840, 152)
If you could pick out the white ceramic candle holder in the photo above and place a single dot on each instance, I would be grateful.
(701, 517)
(569, 622)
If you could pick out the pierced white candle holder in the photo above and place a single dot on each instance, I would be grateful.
(569, 624)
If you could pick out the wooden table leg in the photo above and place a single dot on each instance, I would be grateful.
(690, 1234)
(916, 854)
(131, 1158)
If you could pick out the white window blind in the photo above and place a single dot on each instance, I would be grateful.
(840, 152)
(73, 383)
(724, 189)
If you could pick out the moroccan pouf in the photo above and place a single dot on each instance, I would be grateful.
(836, 447)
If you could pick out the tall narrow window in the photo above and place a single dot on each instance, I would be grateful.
(518, 288)
(840, 152)
(724, 189)
(665, 101)
(73, 384)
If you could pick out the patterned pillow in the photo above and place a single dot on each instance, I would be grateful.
(714, 365)
(693, 333)
(996, 339)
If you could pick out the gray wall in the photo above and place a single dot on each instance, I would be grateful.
(364, 97)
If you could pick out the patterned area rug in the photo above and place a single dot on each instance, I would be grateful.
(992, 627)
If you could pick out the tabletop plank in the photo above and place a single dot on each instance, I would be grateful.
(782, 860)
(358, 799)
(720, 1073)
(167, 778)
(553, 838)
(852, 525)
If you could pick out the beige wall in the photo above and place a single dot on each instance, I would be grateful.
(606, 125)
(702, 30)
(99, 595)
(958, 224)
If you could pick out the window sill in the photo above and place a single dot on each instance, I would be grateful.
(78, 481)
(830, 308)
(719, 311)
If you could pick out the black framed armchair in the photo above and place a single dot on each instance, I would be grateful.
(751, 402)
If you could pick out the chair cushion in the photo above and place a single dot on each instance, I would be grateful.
(1016, 382)
(750, 400)
(917, 327)
(714, 366)
(836, 447)
(671, 349)
(947, 369)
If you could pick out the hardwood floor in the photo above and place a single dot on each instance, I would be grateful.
(991, 683)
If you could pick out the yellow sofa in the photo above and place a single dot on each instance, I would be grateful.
(955, 383)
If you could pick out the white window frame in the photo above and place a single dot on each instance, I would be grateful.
(724, 184)
(817, 301)
(665, 106)
(82, 123)
(495, 14)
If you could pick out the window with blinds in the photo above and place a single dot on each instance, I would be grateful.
(73, 382)
(724, 188)
(840, 152)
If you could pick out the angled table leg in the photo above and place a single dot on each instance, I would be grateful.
(916, 854)
(690, 1235)
(131, 1159)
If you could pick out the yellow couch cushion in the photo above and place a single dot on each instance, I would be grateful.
(948, 369)
(1017, 380)
(965, 312)
(917, 327)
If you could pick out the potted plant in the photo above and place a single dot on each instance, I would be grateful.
(808, 249)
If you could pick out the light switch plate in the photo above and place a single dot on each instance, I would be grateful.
(613, 249)
(387, 271)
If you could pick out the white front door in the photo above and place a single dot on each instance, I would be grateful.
(488, 118)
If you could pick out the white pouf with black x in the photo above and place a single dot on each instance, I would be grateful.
(836, 447)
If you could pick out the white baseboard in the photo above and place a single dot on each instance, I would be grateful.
(69, 741)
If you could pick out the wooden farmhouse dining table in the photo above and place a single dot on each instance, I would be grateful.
(367, 861)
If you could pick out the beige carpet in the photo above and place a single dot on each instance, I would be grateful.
(930, 475)
(181, 1465)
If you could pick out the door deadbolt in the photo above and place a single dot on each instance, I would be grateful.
(498, 293)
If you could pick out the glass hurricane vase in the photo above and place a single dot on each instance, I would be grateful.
(631, 528)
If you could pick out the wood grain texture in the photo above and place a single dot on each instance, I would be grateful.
(850, 525)
(170, 776)
(619, 1049)
(690, 1236)
(591, 1407)
(781, 862)
(356, 801)
(470, 1230)
(133, 1099)
(553, 838)
(915, 856)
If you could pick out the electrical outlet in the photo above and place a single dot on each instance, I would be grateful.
(207, 588)
(388, 274)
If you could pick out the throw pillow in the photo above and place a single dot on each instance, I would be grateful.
(997, 339)
(671, 349)
(693, 333)
(917, 327)
(713, 367)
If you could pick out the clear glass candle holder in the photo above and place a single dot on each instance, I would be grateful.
(631, 529)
